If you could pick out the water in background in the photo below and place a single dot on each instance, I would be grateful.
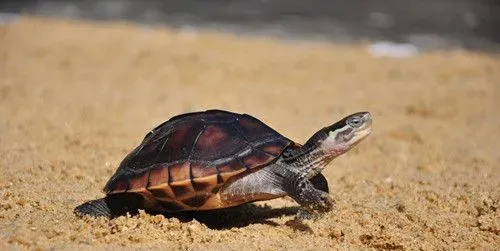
(427, 24)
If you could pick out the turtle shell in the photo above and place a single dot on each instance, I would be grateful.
(183, 163)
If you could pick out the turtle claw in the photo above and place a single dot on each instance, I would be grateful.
(304, 214)
(327, 203)
(324, 205)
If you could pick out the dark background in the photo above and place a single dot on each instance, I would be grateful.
(429, 24)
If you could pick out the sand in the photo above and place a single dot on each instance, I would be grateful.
(75, 97)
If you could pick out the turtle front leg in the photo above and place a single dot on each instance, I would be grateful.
(311, 199)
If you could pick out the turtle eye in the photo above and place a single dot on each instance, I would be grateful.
(355, 121)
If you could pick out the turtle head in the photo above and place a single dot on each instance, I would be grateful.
(338, 138)
(346, 133)
(330, 142)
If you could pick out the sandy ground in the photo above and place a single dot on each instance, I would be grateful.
(76, 97)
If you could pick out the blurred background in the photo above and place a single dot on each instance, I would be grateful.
(429, 24)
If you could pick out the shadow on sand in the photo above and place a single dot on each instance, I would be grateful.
(239, 216)
(113, 206)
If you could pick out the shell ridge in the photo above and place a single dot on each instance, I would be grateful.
(139, 149)
(162, 146)
(238, 129)
(191, 176)
(196, 140)
(191, 153)
(266, 153)
(242, 162)
(148, 182)
(252, 148)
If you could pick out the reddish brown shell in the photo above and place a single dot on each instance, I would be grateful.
(183, 162)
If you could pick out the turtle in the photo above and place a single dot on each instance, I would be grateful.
(217, 159)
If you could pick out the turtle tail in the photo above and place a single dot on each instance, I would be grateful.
(111, 206)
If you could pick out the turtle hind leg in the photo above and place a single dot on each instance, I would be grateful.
(111, 206)
(95, 208)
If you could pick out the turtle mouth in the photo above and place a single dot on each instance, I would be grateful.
(368, 119)
(362, 134)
